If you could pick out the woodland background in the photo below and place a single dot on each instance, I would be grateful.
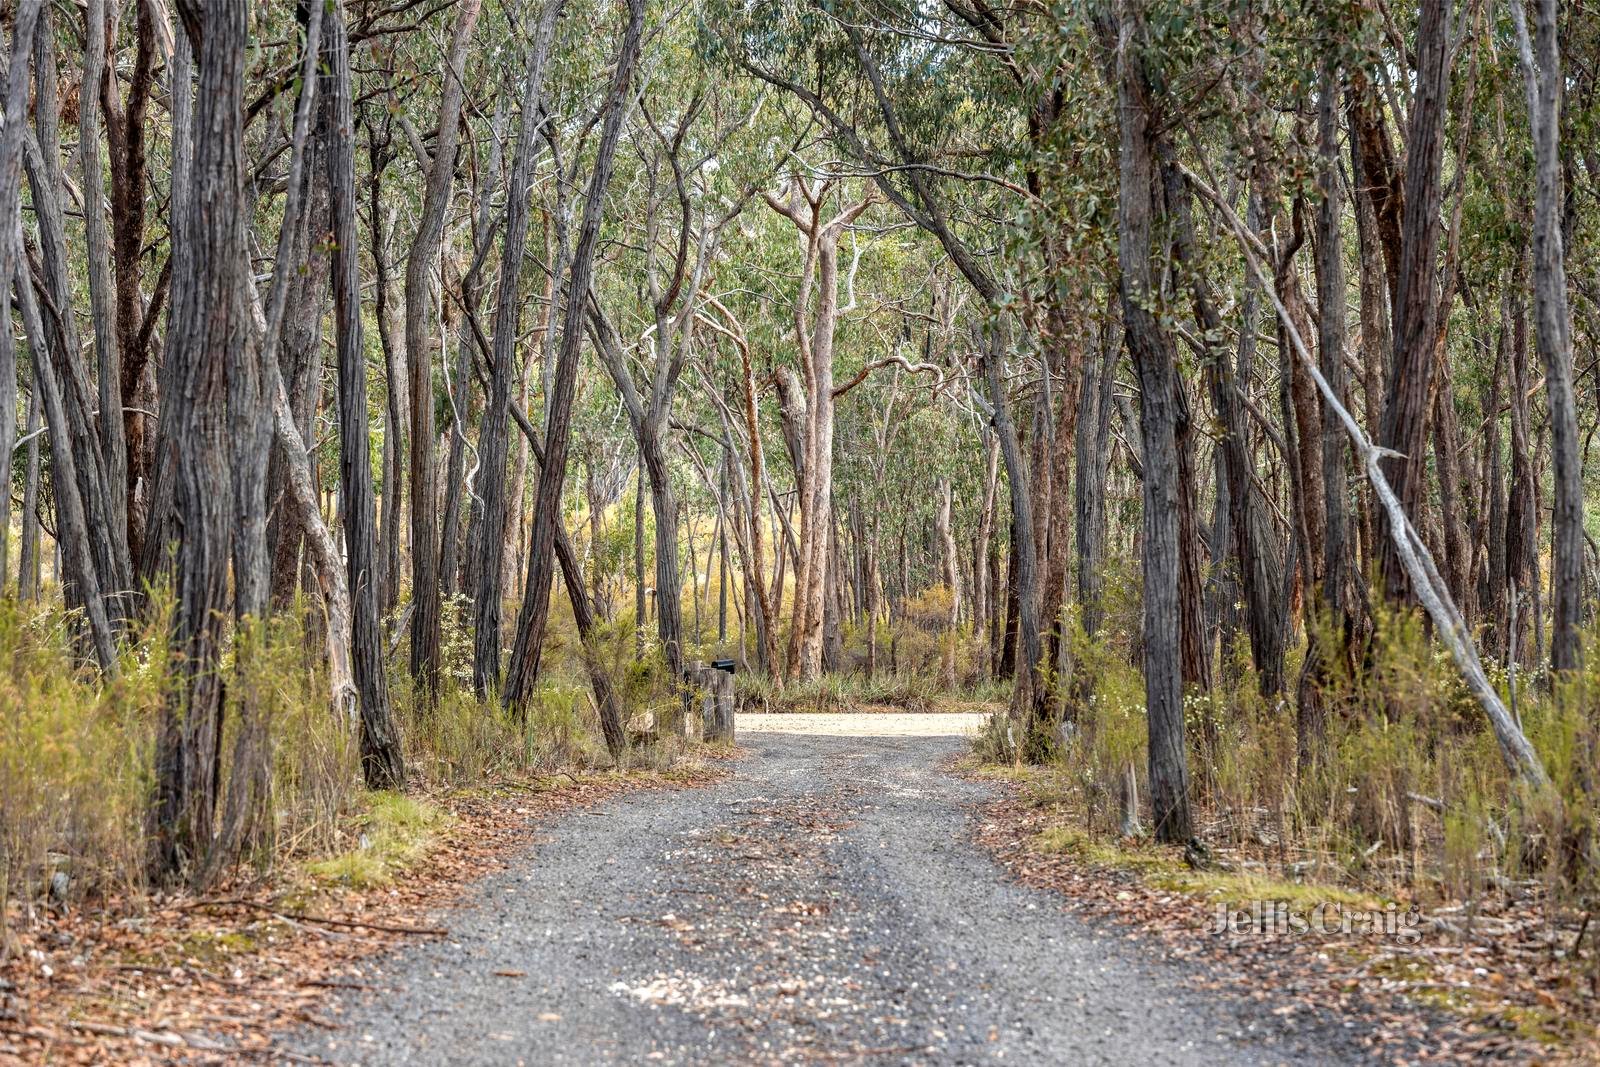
(1207, 388)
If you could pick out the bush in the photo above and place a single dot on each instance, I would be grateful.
(77, 750)
(75, 759)
(1410, 789)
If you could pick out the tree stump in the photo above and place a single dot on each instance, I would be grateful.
(696, 694)
(712, 690)
(718, 707)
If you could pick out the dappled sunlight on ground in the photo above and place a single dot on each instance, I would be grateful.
(865, 724)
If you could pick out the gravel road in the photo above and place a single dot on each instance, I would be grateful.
(823, 904)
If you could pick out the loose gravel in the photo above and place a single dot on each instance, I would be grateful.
(823, 904)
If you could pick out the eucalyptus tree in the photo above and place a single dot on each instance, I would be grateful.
(381, 759)
(88, 562)
(748, 490)
(73, 421)
(1160, 411)
(681, 230)
(128, 121)
(1540, 57)
(211, 335)
(438, 178)
(1416, 296)
(533, 615)
(492, 442)
(18, 75)
(97, 256)
(809, 423)
(458, 574)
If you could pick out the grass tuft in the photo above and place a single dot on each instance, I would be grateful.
(395, 832)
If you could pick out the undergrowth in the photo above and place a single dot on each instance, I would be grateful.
(857, 692)
(77, 749)
(1409, 794)
(392, 832)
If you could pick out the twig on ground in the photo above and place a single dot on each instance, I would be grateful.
(296, 916)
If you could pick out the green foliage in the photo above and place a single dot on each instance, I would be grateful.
(77, 751)
(393, 832)
(1410, 795)
(75, 757)
(836, 692)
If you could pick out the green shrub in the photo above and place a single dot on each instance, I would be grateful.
(75, 757)
(392, 832)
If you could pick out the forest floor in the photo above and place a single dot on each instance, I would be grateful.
(829, 901)
(132, 979)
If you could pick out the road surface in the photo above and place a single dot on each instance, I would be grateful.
(824, 904)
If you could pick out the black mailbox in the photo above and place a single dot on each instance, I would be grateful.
(727, 666)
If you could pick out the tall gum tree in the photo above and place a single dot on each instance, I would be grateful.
(1159, 404)
(420, 343)
(682, 234)
(523, 671)
(814, 332)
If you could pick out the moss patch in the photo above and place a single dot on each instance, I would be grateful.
(214, 946)
(1144, 860)
(395, 832)
(1242, 888)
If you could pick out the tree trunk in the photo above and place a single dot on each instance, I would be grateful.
(1006, 664)
(107, 528)
(1446, 451)
(1416, 310)
(381, 761)
(1541, 66)
(767, 625)
(1522, 516)
(300, 365)
(722, 565)
(1092, 455)
(531, 621)
(125, 124)
(1195, 660)
(492, 440)
(952, 579)
(97, 259)
(28, 578)
(984, 591)
(16, 116)
(1254, 545)
(156, 555)
(1337, 597)
(396, 403)
(1492, 583)
(209, 334)
(1159, 391)
(607, 703)
(1038, 742)
(669, 580)
(425, 584)
(76, 566)
(814, 336)
(466, 574)
(638, 557)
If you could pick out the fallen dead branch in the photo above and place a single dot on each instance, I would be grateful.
(300, 916)
(1519, 755)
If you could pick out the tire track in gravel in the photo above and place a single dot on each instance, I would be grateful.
(825, 904)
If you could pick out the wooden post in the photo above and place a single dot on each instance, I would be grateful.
(695, 689)
(718, 705)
